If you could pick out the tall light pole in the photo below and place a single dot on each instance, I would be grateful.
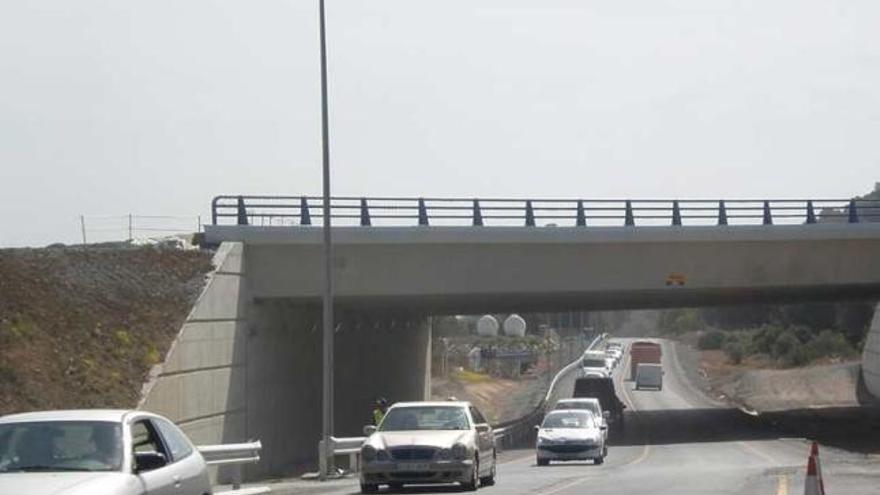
(327, 302)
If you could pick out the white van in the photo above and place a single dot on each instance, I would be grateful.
(649, 375)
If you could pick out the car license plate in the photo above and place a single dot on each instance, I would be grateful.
(413, 466)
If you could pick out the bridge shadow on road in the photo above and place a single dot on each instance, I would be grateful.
(855, 429)
(673, 426)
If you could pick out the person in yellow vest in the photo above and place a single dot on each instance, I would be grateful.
(380, 410)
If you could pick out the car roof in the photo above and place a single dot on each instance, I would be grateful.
(578, 399)
(436, 403)
(113, 415)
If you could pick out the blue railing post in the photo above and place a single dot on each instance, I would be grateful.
(722, 213)
(853, 212)
(629, 220)
(365, 214)
(811, 214)
(478, 215)
(676, 213)
(242, 212)
(530, 214)
(305, 218)
(581, 216)
(423, 212)
(768, 215)
(214, 210)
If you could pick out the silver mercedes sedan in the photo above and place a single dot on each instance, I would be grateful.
(110, 452)
(429, 442)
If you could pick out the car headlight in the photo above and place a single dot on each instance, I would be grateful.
(444, 454)
(459, 451)
(368, 453)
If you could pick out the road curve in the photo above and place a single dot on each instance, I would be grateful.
(676, 441)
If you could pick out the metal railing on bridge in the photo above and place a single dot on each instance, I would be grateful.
(390, 211)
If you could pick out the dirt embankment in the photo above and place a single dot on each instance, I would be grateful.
(82, 327)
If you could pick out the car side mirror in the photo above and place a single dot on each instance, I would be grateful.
(537, 427)
(603, 427)
(606, 414)
(482, 428)
(369, 430)
(148, 461)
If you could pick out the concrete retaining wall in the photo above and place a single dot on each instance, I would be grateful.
(871, 357)
(201, 384)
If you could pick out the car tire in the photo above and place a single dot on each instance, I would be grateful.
(490, 480)
(474, 483)
(599, 460)
(369, 488)
(395, 487)
(543, 462)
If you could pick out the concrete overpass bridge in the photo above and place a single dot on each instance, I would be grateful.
(247, 362)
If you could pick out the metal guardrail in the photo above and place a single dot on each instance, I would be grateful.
(350, 446)
(234, 455)
(514, 432)
(390, 211)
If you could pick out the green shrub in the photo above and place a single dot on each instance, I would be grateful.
(785, 344)
(711, 340)
(734, 350)
(830, 344)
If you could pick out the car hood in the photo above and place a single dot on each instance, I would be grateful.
(72, 483)
(432, 438)
(568, 433)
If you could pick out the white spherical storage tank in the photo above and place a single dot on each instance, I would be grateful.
(487, 326)
(514, 326)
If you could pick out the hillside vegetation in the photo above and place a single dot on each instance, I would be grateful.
(82, 327)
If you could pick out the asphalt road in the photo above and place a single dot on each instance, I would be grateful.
(676, 441)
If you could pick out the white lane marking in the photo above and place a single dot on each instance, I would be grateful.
(782, 487)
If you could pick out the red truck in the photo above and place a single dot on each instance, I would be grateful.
(642, 352)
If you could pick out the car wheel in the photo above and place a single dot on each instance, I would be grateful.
(395, 487)
(599, 460)
(471, 486)
(369, 488)
(543, 462)
(490, 480)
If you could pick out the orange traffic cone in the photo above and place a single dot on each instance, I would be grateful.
(812, 483)
(814, 452)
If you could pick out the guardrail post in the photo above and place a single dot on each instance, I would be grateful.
(530, 214)
(478, 215)
(722, 213)
(629, 220)
(242, 212)
(581, 217)
(853, 212)
(768, 215)
(365, 214)
(305, 218)
(423, 213)
(236, 476)
(676, 213)
(811, 215)
(322, 459)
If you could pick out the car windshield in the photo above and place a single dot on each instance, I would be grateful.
(594, 363)
(425, 418)
(568, 419)
(60, 446)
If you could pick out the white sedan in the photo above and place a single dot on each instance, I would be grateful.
(570, 435)
(429, 442)
(112, 452)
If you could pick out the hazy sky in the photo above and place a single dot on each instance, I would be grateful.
(110, 107)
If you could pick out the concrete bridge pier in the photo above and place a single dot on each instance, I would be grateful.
(247, 367)
(377, 355)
